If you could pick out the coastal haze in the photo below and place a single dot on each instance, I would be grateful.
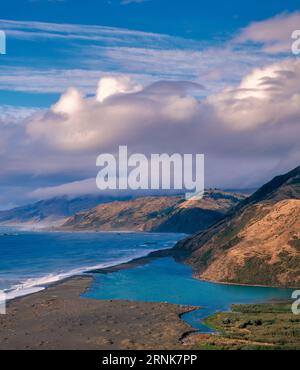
(142, 266)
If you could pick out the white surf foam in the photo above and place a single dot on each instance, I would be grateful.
(36, 284)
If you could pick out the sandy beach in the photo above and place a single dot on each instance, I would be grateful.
(58, 318)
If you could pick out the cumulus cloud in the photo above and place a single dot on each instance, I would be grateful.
(69, 103)
(109, 86)
(246, 119)
(248, 132)
(124, 112)
(274, 33)
(121, 112)
(267, 96)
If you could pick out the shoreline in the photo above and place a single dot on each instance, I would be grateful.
(131, 263)
(247, 285)
(58, 317)
(61, 303)
(138, 261)
(103, 324)
(135, 262)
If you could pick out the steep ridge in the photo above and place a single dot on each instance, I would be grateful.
(257, 242)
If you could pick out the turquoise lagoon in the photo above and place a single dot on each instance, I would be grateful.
(165, 280)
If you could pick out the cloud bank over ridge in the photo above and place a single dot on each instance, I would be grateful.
(247, 124)
(244, 131)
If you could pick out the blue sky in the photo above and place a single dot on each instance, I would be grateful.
(220, 62)
(202, 20)
(191, 24)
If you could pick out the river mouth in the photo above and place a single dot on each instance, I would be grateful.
(166, 280)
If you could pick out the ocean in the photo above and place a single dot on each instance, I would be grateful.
(30, 260)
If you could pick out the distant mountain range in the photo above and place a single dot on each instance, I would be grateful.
(50, 211)
(160, 214)
(257, 242)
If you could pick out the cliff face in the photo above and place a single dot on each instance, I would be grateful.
(258, 242)
(160, 214)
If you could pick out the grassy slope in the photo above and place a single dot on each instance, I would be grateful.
(257, 242)
(253, 326)
(158, 214)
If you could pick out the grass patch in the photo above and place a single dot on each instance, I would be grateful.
(255, 326)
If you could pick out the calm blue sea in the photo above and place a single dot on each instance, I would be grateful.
(31, 260)
(164, 280)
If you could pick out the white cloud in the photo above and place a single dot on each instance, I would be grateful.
(246, 120)
(109, 86)
(74, 188)
(267, 96)
(70, 103)
(35, 80)
(87, 53)
(274, 33)
(75, 124)
(32, 30)
(12, 115)
(252, 125)
(214, 68)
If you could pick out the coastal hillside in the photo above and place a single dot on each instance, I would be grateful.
(257, 242)
(160, 214)
(50, 211)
